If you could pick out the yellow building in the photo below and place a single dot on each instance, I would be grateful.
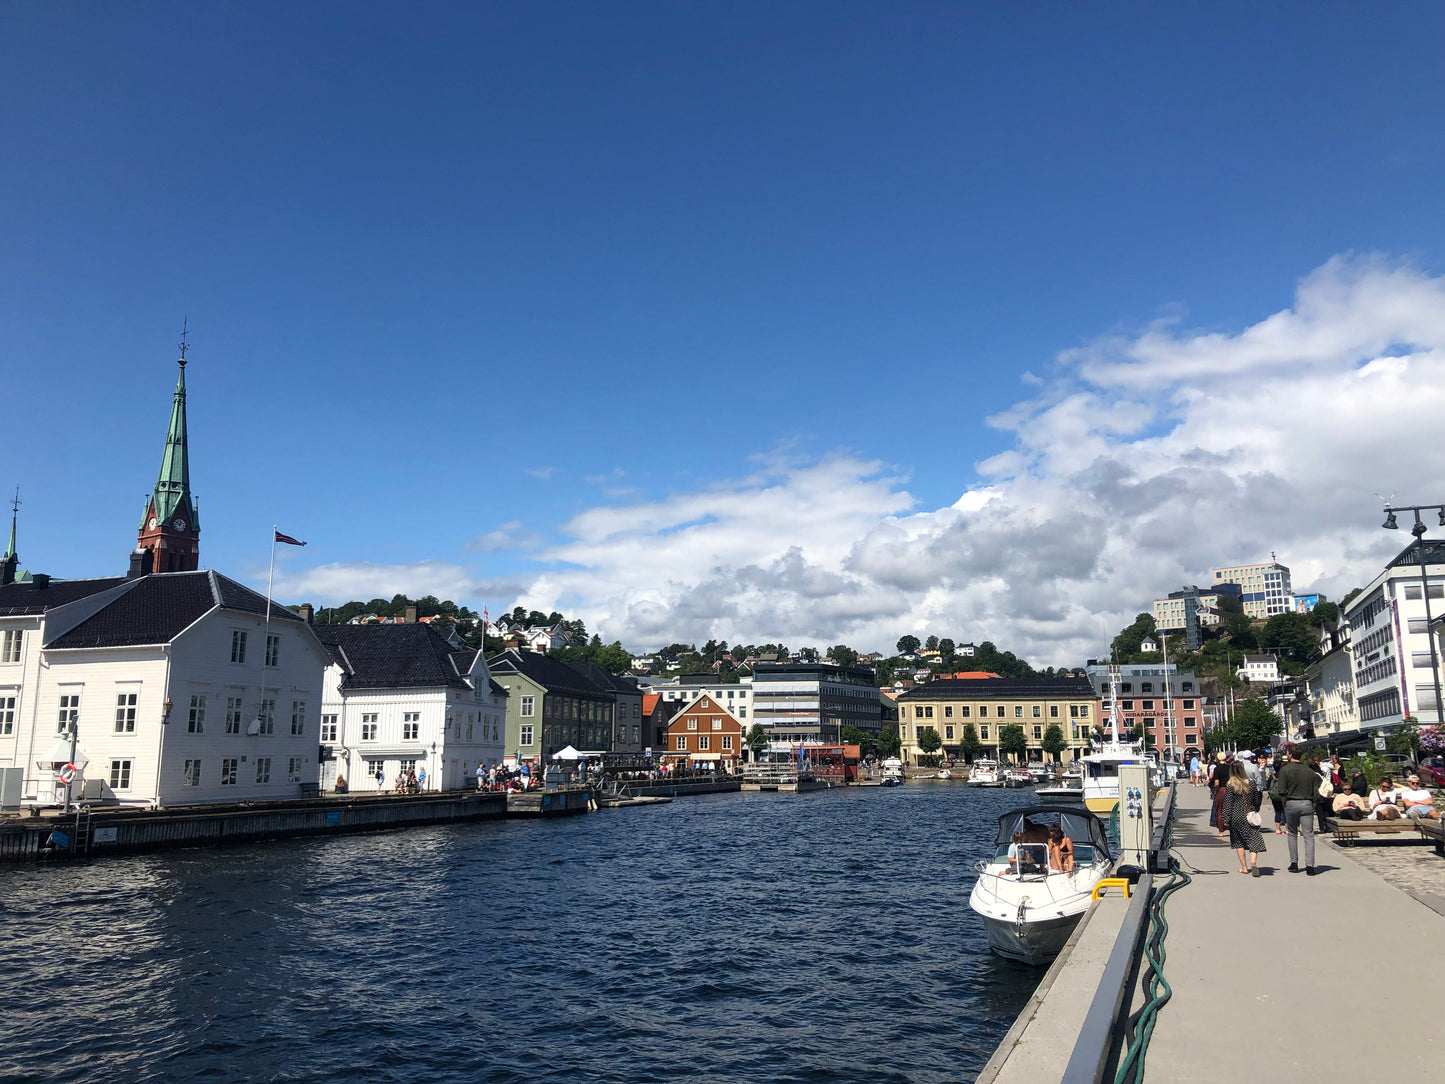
(991, 704)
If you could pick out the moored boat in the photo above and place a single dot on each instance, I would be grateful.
(892, 772)
(1028, 894)
(985, 773)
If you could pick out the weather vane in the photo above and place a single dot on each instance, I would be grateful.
(15, 503)
(185, 326)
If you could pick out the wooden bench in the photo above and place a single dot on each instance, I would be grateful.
(1436, 831)
(1351, 831)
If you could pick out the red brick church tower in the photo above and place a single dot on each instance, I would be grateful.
(169, 531)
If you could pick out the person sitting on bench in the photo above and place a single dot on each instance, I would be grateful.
(1383, 802)
(1349, 806)
(1416, 801)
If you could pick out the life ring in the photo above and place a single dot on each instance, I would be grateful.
(67, 774)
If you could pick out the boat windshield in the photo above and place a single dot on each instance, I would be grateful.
(1085, 830)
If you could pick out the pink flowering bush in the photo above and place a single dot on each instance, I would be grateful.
(1431, 739)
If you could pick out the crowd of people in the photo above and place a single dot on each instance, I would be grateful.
(1304, 797)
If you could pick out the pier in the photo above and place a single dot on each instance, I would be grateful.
(1265, 968)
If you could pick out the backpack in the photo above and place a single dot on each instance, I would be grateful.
(1327, 788)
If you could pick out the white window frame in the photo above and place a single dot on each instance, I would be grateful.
(263, 770)
(410, 725)
(238, 646)
(11, 645)
(527, 707)
(69, 710)
(229, 767)
(191, 774)
(526, 734)
(125, 709)
(120, 772)
(234, 707)
(368, 726)
(298, 718)
(273, 649)
(196, 716)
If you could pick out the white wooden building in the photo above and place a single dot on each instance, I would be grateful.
(180, 688)
(401, 697)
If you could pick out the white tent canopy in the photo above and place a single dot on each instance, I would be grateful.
(568, 753)
(59, 756)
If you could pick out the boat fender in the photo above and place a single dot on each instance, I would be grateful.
(1130, 873)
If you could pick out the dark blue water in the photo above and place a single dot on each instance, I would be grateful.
(739, 937)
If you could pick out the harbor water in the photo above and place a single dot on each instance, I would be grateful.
(731, 937)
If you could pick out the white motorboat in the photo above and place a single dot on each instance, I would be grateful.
(944, 773)
(985, 773)
(1065, 790)
(892, 772)
(1029, 906)
(1101, 767)
(1018, 777)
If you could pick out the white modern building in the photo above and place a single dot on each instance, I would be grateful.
(802, 702)
(736, 697)
(402, 698)
(1396, 666)
(1259, 669)
(180, 688)
(1264, 589)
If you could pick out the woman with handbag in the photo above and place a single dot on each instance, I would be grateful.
(1241, 815)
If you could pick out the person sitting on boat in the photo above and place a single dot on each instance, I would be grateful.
(1061, 851)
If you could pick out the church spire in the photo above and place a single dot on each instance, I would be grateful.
(11, 560)
(168, 528)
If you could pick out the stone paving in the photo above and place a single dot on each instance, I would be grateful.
(1409, 865)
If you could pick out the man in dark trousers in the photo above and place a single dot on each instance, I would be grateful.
(1299, 786)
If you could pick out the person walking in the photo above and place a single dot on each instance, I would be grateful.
(1241, 799)
(1298, 787)
(1218, 777)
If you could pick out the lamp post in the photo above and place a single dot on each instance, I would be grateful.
(1418, 530)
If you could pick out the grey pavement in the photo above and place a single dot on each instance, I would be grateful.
(1289, 977)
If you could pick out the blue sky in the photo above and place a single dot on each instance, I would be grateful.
(584, 304)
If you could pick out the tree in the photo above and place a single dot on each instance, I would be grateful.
(1292, 633)
(948, 647)
(853, 735)
(1012, 742)
(907, 645)
(843, 655)
(1350, 596)
(931, 643)
(929, 741)
(756, 740)
(889, 743)
(1254, 725)
(1054, 743)
(969, 743)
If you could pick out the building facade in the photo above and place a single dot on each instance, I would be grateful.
(1396, 665)
(179, 686)
(551, 706)
(735, 697)
(802, 702)
(1264, 589)
(1330, 686)
(705, 731)
(1162, 701)
(628, 733)
(948, 705)
(401, 698)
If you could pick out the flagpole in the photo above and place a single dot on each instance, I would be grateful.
(266, 635)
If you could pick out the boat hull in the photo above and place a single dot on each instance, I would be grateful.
(1032, 943)
(1061, 795)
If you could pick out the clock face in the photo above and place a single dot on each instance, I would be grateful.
(153, 522)
(180, 524)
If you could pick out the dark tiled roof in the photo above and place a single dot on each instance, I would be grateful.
(392, 656)
(1001, 689)
(233, 596)
(546, 671)
(604, 680)
(1410, 555)
(27, 598)
(155, 609)
(463, 659)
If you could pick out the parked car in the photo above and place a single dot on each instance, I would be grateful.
(1432, 771)
(1398, 763)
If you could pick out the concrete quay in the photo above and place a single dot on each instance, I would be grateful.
(1328, 978)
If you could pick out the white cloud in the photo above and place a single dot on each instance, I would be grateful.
(1137, 465)
(505, 536)
(342, 582)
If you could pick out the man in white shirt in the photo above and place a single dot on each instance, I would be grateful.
(1417, 802)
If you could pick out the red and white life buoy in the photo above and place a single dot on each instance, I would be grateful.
(67, 773)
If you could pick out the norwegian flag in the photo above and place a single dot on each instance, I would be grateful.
(288, 539)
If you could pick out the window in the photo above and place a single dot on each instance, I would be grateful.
(298, 718)
(1018, 711)
(742, 712)
(1127, 686)
(1148, 705)
(717, 724)
(1038, 733)
(692, 724)
(928, 712)
(682, 741)
(1189, 739)
(1038, 711)
(191, 777)
(948, 711)
(238, 646)
(1127, 705)
(328, 728)
(964, 711)
(410, 725)
(125, 714)
(948, 733)
(228, 771)
(196, 721)
(293, 769)
(368, 727)
(526, 738)
(469, 730)
(233, 715)
(263, 769)
(1146, 687)
(1188, 704)
(1053, 711)
(999, 713)
(983, 731)
(69, 712)
(10, 645)
(268, 716)
(529, 707)
(727, 742)
(120, 775)
(702, 741)
(273, 649)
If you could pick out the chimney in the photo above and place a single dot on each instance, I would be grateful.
(40, 580)
(306, 612)
(140, 562)
(411, 613)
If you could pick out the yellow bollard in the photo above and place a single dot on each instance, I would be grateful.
(1110, 882)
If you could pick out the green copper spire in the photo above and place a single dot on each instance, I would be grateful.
(171, 498)
(14, 511)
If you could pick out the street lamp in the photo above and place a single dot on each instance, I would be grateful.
(1418, 530)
